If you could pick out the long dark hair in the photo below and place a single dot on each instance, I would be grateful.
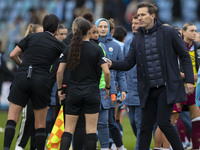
(73, 57)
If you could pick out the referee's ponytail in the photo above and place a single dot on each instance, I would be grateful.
(73, 57)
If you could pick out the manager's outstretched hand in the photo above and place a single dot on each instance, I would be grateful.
(109, 62)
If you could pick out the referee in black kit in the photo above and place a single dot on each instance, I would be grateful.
(85, 62)
(32, 78)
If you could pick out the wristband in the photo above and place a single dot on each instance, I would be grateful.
(108, 88)
(59, 89)
(113, 97)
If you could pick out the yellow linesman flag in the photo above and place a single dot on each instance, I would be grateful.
(54, 140)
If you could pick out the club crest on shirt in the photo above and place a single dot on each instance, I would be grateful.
(110, 49)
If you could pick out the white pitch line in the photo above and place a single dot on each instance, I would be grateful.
(1, 129)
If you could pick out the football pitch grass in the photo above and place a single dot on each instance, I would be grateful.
(128, 136)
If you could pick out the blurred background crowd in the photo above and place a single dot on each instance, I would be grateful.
(15, 15)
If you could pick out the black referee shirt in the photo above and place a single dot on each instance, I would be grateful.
(40, 51)
(89, 70)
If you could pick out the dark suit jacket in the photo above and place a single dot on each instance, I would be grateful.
(171, 46)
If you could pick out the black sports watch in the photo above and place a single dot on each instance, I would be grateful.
(108, 88)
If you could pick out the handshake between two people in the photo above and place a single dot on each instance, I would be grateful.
(109, 62)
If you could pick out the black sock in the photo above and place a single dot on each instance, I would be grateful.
(9, 133)
(65, 141)
(91, 141)
(40, 135)
(79, 139)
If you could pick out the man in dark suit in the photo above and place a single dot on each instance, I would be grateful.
(155, 50)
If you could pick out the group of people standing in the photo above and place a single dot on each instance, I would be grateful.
(163, 56)
(154, 72)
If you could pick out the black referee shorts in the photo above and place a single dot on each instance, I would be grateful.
(83, 98)
(36, 89)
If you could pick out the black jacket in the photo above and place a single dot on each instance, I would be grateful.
(170, 45)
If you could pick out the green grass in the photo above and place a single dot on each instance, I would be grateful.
(128, 136)
(3, 119)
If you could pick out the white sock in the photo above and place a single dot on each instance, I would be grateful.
(122, 148)
(113, 146)
(18, 148)
(156, 148)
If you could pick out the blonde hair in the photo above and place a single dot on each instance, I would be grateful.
(185, 27)
(32, 28)
(75, 23)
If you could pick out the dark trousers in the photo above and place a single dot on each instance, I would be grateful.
(114, 129)
(158, 110)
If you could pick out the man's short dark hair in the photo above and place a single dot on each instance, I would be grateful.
(50, 23)
(152, 9)
(120, 33)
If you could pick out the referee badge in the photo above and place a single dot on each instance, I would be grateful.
(104, 58)
(61, 55)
